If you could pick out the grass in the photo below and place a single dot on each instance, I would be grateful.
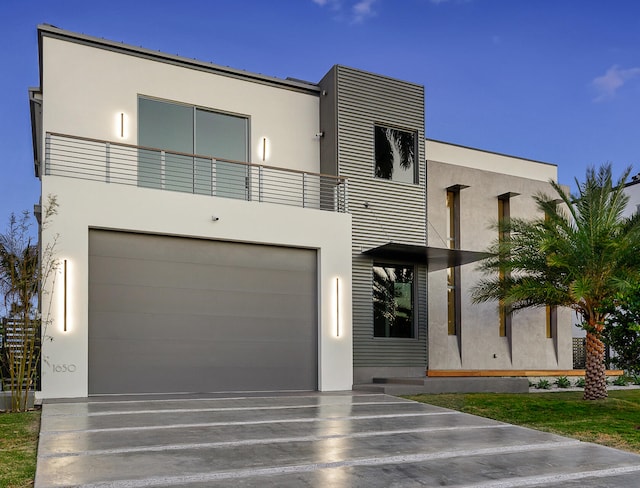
(613, 422)
(18, 444)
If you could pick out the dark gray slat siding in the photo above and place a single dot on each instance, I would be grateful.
(397, 211)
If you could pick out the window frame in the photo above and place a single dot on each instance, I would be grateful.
(416, 153)
(194, 108)
(212, 184)
(414, 295)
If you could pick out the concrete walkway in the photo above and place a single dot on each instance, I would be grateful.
(345, 439)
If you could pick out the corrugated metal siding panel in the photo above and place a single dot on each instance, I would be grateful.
(397, 211)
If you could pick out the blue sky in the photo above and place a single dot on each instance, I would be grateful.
(550, 80)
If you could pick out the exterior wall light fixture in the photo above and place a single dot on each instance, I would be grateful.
(64, 316)
(337, 307)
(264, 149)
(120, 126)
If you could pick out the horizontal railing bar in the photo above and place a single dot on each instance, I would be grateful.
(340, 179)
(111, 162)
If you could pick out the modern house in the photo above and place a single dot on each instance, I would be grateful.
(220, 230)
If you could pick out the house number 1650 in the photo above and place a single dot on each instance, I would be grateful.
(64, 368)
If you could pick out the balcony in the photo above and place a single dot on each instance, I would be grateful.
(145, 167)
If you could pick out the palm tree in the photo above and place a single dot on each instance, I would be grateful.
(578, 255)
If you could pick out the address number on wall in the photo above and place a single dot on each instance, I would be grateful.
(63, 368)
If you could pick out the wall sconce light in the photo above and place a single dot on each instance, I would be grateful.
(64, 323)
(121, 126)
(264, 149)
(337, 307)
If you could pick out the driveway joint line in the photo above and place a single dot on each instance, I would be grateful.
(310, 467)
(217, 409)
(89, 401)
(544, 480)
(248, 422)
(252, 442)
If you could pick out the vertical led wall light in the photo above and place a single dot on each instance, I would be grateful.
(120, 125)
(264, 149)
(337, 307)
(64, 323)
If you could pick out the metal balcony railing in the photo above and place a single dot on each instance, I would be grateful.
(126, 164)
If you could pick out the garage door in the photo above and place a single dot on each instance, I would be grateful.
(170, 314)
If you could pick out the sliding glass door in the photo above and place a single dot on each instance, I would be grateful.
(188, 130)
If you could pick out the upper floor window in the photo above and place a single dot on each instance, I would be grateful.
(185, 129)
(393, 301)
(395, 154)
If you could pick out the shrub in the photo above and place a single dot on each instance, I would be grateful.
(622, 331)
(580, 383)
(621, 381)
(543, 384)
(563, 382)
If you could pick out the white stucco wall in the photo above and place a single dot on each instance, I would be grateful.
(85, 204)
(84, 90)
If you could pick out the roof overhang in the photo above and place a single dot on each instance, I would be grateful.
(436, 258)
(35, 108)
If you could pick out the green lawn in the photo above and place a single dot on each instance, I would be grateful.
(18, 445)
(613, 422)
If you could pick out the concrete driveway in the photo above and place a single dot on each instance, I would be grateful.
(310, 439)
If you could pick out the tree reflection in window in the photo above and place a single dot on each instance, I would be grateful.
(395, 154)
(393, 301)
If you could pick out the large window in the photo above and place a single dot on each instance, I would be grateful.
(393, 301)
(191, 130)
(395, 154)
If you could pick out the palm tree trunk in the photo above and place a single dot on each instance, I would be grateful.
(595, 387)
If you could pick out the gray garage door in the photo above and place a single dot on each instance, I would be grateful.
(169, 314)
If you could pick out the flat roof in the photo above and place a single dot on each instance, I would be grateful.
(120, 47)
(490, 152)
